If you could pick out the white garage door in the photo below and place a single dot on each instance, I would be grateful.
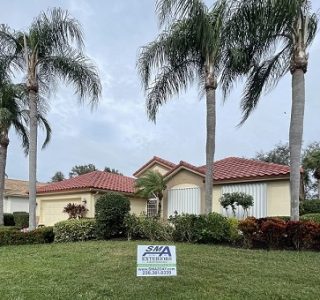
(52, 211)
(259, 193)
(186, 200)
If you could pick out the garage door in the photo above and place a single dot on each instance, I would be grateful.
(186, 200)
(259, 193)
(52, 211)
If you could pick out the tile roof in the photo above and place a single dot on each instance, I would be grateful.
(153, 160)
(235, 168)
(93, 180)
(19, 188)
(238, 169)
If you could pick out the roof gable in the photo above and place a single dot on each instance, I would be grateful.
(155, 161)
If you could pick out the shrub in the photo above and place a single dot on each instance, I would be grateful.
(184, 227)
(311, 217)
(75, 230)
(310, 207)
(277, 233)
(236, 199)
(148, 228)
(16, 237)
(110, 211)
(21, 219)
(75, 211)
(8, 219)
(236, 237)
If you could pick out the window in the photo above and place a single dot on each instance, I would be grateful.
(152, 207)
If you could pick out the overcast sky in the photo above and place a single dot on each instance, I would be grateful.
(118, 134)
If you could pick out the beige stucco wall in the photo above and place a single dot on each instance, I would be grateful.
(216, 194)
(50, 207)
(278, 195)
(183, 179)
(156, 167)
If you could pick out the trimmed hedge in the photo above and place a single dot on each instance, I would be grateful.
(309, 207)
(110, 211)
(16, 237)
(274, 233)
(311, 217)
(21, 219)
(8, 219)
(74, 230)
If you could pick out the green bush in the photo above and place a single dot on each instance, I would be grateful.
(310, 207)
(16, 237)
(110, 211)
(21, 219)
(184, 227)
(8, 219)
(74, 230)
(311, 217)
(147, 228)
(236, 236)
(7, 228)
(213, 228)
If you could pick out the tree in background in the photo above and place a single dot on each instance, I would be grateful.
(109, 170)
(50, 49)
(276, 35)
(280, 154)
(58, 176)
(311, 163)
(82, 169)
(151, 185)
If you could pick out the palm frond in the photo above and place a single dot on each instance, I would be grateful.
(22, 131)
(76, 69)
(150, 184)
(43, 122)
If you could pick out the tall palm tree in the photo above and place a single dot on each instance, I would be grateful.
(274, 36)
(151, 184)
(49, 50)
(190, 48)
(13, 114)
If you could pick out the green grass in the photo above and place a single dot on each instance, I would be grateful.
(106, 270)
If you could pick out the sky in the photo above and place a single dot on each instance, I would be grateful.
(117, 133)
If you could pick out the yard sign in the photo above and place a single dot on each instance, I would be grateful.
(156, 260)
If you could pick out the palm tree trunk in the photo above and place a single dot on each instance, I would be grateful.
(211, 86)
(4, 142)
(318, 181)
(295, 138)
(33, 158)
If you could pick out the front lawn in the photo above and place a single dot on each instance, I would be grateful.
(106, 270)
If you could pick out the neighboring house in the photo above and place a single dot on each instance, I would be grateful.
(16, 196)
(83, 189)
(268, 184)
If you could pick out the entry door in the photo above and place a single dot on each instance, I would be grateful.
(185, 200)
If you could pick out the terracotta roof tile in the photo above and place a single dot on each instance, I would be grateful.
(93, 180)
(235, 168)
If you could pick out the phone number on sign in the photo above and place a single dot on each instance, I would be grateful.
(156, 272)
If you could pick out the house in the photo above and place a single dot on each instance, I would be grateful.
(84, 189)
(16, 196)
(185, 193)
(268, 183)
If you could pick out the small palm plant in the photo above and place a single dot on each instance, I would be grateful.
(151, 185)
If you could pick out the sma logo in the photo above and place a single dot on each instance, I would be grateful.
(157, 250)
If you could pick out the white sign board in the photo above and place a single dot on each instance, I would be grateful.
(156, 260)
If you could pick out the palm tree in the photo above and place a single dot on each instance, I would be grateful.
(49, 50)
(191, 48)
(274, 36)
(311, 162)
(13, 114)
(151, 184)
